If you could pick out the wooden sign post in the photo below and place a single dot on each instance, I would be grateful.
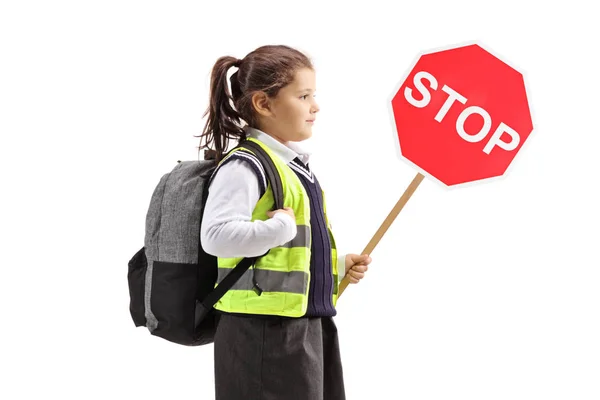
(386, 224)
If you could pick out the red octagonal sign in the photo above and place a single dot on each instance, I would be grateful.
(462, 115)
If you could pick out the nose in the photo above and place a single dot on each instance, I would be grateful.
(315, 107)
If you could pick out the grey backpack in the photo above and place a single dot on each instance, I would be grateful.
(171, 278)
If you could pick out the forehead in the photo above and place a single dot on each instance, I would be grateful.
(304, 79)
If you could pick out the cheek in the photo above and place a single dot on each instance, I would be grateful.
(300, 111)
(282, 111)
(292, 112)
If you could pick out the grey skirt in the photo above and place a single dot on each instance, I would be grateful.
(277, 358)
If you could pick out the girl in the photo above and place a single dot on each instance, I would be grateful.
(276, 338)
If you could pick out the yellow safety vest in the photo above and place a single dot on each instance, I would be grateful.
(284, 273)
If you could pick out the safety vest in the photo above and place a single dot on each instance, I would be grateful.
(284, 273)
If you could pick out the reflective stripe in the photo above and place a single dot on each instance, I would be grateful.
(302, 238)
(270, 281)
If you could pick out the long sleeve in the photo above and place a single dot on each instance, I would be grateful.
(227, 228)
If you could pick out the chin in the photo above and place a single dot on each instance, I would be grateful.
(307, 135)
(301, 136)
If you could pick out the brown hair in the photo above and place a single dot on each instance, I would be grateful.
(267, 69)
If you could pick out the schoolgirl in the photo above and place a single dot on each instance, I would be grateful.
(276, 338)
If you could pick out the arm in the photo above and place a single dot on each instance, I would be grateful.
(227, 228)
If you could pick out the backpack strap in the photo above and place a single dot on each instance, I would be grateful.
(270, 169)
(239, 270)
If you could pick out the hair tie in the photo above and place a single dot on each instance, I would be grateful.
(237, 63)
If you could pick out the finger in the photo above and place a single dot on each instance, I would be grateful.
(353, 280)
(362, 259)
(360, 268)
(356, 258)
(357, 275)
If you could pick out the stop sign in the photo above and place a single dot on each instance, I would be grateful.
(462, 114)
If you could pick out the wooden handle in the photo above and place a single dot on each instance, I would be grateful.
(385, 225)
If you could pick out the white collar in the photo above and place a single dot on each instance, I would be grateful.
(287, 152)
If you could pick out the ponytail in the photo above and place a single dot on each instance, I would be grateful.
(223, 122)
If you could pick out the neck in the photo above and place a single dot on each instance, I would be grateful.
(273, 134)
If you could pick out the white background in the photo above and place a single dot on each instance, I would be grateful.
(489, 291)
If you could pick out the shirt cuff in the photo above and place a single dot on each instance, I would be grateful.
(341, 266)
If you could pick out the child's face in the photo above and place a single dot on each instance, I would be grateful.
(294, 108)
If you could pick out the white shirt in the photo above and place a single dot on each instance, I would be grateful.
(227, 228)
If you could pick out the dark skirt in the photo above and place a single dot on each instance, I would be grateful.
(277, 358)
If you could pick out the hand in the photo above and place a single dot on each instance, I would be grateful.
(356, 266)
(286, 210)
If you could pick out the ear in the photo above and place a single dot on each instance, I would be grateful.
(262, 104)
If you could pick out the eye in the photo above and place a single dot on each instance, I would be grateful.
(304, 97)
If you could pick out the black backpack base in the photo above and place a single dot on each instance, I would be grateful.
(176, 302)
